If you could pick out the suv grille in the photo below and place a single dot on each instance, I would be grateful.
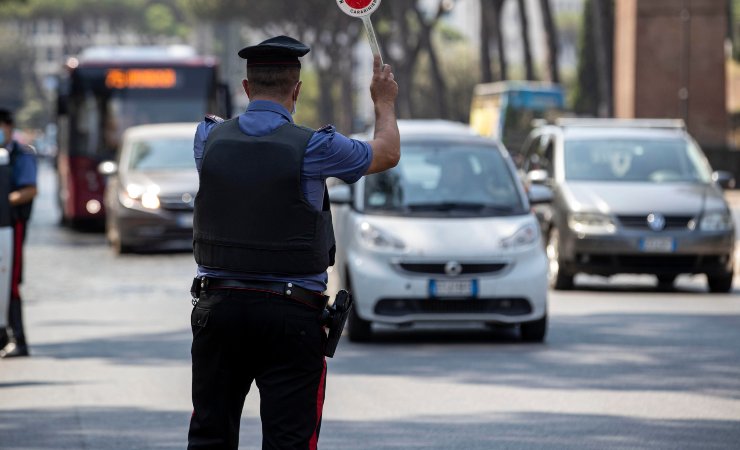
(641, 223)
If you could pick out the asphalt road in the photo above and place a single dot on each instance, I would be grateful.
(624, 366)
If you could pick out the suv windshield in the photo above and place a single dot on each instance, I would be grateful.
(634, 160)
(162, 154)
(450, 179)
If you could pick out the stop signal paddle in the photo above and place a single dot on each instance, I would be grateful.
(363, 9)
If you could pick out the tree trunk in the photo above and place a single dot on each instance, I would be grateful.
(502, 60)
(486, 21)
(551, 35)
(326, 99)
(602, 64)
(438, 81)
(524, 20)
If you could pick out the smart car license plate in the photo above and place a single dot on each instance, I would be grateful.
(453, 288)
(185, 221)
(658, 245)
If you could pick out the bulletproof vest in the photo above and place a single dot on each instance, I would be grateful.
(250, 211)
(19, 212)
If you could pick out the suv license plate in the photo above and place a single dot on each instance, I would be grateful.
(453, 288)
(658, 245)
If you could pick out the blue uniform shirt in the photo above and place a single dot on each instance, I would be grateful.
(24, 166)
(328, 154)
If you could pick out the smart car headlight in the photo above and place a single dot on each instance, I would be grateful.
(591, 223)
(526, 235)
(716, 221)
(378, 239)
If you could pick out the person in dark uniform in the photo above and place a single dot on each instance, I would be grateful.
(263, 240)
(22, 193)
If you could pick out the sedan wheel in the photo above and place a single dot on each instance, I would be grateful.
(556, 278)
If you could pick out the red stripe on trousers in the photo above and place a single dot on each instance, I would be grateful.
(319, 409)
(19, 229)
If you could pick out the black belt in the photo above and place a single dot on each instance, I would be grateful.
(288, 290)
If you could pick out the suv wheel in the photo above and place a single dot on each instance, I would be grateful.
(556, 278)
(534, 331)
(720, 284)
(665, 282)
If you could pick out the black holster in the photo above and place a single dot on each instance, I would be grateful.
(334, 317)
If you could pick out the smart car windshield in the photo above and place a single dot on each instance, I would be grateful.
(162, 154)
(438, 178)
(634, 160)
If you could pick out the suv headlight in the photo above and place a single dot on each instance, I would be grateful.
(526, 235)
(377, 239)
(716, 221)
(591, 223)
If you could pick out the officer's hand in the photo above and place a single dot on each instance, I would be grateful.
(383, 89)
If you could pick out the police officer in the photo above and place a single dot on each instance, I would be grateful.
(22, 193)
(263, 240)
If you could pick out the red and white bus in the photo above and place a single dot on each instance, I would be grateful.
(108, 89)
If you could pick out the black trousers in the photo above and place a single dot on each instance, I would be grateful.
(245, 336)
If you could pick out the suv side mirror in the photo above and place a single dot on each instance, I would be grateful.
(539, 194)
(340, 194)
(725, 179)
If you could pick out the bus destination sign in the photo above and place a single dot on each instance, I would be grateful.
(141, 78)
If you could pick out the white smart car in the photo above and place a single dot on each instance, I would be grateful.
(446, 236)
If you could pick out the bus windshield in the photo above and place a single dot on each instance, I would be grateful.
(101, 108)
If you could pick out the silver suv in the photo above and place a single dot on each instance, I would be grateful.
(633, 196)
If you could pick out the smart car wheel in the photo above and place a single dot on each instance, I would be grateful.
(720, 284)
(534, 331)
(359, 329)
(557, 279)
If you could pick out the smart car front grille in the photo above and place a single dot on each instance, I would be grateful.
(641, 222)
(405, 306)
(465, 268)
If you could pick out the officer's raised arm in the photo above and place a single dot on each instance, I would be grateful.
(386, 143)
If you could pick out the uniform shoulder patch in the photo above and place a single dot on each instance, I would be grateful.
(214, 118)
(329, 128)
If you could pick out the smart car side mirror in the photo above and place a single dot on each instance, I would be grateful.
(340, 194)
(107, 168)
(539, 193)
(725, 179)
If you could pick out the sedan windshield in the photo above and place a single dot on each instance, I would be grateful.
(162, 154)
(436, 178)
(635, 160)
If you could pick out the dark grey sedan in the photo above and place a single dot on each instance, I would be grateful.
(630, 197)
(151, 189)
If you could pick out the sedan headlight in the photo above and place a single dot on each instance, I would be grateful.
(591, 223)
(378, 239)
(526, 235)
(716, 221)
(146, 196)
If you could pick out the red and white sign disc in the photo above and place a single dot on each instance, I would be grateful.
(358, 8)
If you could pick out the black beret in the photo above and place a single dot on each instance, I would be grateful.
(277, 51)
